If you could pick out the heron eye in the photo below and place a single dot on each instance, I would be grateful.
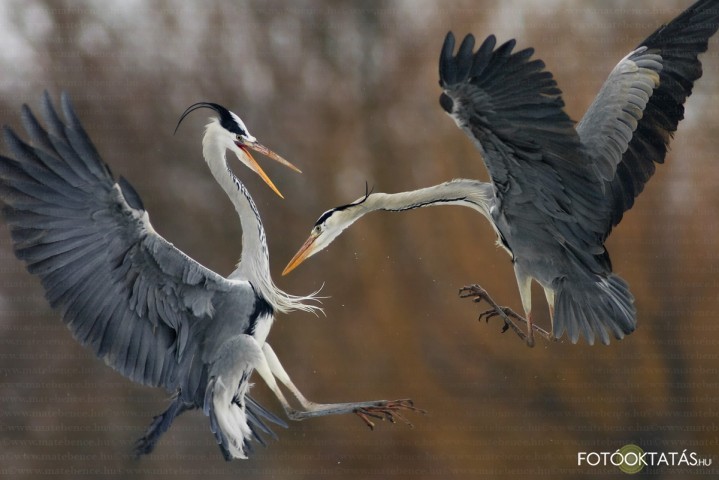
(245, 138)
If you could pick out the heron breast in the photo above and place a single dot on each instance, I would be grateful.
(262, 328)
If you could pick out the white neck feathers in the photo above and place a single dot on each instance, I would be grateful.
(254, 262)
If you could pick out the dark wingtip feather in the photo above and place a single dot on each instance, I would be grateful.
(481, 58)
(7, 132)
(68, 110)
(13, 141)
(463, 60)
(55, 125)
(446, 75)
(506, 48)
(34, 129)
(467, 45)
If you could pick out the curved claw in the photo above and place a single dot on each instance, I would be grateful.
(473, 291)
(389, 411)
(505, 313)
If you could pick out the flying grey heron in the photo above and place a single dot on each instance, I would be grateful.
(556, 190)
(148, 310)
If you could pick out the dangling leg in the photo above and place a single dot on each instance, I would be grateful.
(506, 313)
(524, 282)
(549, 294)
(381, 409)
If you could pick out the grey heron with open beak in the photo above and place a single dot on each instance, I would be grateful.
(148, 310)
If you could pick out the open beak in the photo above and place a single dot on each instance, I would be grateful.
(305, 251)
(259, 148)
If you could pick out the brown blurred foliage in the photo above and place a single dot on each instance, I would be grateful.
(348, 91)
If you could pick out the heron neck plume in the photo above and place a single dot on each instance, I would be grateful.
(254, 265)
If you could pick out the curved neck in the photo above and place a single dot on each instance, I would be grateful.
(254, 265)
(473, 194)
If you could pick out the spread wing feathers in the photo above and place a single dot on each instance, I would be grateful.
(628, 127)
(122, 289)
(504, 97)
(609, 124)
(513, 110)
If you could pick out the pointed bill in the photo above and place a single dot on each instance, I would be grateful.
(252, 163)
(304, 252)
(259, 148)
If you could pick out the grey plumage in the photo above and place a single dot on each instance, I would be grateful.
(556, 191)
(144, 307)
(136, 301)
(560, 190)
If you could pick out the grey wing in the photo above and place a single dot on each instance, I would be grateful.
(629, 125)
(513, 110)
(122, 289)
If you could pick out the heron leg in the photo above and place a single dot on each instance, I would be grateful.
(263, 368)
(493, 312)
(279, 372)
(379, 409)
(524, 282)
(505, 313)
(480, 295)
(549, 294)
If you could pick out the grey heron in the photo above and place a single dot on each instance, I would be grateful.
(557, 189)
(148, 310)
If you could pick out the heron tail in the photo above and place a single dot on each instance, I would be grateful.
(594, 308)
(229, 421)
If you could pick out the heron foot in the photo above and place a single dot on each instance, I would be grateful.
(388, 410)
(505, 313)
(511, 313)
(481, 295)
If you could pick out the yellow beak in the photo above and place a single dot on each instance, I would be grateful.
(258, 147)
(304, 252)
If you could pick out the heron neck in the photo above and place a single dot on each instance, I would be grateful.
(254, 265)
(473, 194)
(254, 261)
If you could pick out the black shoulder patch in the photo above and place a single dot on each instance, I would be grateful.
(262, 309)
(446, 102)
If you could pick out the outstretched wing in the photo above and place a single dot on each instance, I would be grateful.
(631, 122)
(121, 288)
(513, 110)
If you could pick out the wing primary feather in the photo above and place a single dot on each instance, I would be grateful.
(447, 72)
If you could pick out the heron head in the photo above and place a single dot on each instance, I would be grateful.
(230, 132)
(327, 228)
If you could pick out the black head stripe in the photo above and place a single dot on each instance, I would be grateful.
(226, 119)
(328, 213)
(325, 216)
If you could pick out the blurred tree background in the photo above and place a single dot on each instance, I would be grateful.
(348, 92)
